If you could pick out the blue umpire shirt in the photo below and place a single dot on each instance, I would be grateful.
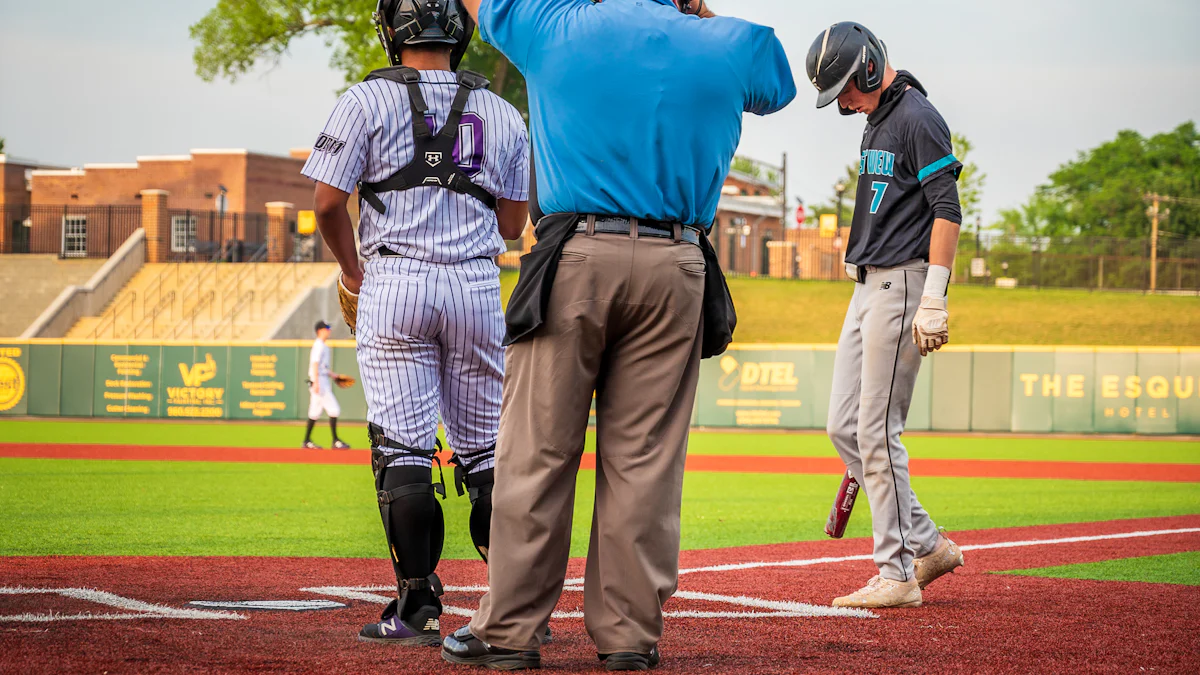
(636, 108)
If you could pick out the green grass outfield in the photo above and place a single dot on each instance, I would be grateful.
(774, 310)
(1176, 568)
(86, 507)
(935, 446)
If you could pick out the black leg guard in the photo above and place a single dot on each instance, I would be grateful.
(479, 488)
(414, 527)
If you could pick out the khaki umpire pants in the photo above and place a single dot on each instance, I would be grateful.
(623, 320)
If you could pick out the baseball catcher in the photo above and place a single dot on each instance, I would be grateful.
(441, 167)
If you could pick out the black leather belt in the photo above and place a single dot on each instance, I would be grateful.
(657, 229)
(385, 252)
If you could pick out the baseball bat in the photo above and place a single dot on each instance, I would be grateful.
(843, 506)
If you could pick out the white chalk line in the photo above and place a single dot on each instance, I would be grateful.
(778, 608)
(733, 567)
(135, 609)
(781, 608)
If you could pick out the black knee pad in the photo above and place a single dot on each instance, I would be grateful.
(415, 529)
(480, 486)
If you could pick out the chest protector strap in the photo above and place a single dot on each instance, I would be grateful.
(433, 159)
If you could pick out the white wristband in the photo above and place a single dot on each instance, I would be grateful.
(937, 282)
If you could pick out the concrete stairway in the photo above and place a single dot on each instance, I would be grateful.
(29, 283)
(203, 301)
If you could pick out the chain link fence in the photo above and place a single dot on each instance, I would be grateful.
(1097, 263)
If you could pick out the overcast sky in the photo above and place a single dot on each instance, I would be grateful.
(1030, 82)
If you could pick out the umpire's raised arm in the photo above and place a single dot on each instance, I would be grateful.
(635, 112)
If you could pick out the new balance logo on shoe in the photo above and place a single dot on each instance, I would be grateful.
(885, 285)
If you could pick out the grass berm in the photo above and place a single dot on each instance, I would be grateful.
(811, 312)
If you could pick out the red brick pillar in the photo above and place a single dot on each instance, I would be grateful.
(279, 214)
(157, 225)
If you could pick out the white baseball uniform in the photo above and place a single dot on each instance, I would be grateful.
(430, 321)
(321, 357)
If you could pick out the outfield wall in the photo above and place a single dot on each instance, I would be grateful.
(982, 388)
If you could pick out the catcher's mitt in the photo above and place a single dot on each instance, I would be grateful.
(349, 304)
(343, 381)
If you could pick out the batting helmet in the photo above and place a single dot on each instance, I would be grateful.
(423, 22)
(844, 51)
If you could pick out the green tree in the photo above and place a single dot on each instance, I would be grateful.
(239, 36)
(1102, 192)
(1039, 217)
(747, 166)
(1, 145)
(971, 180)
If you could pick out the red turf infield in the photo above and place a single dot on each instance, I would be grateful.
(972, 622)
(960, 468)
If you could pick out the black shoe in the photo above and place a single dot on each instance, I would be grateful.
(422, 629)
(547, 637)
(465, 649)
(631, 661)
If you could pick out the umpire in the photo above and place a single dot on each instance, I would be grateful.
(636, 111)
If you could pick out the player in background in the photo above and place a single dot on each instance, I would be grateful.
(442, 171)
(320, 389)
(900, 251)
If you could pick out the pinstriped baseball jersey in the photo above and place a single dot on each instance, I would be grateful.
(369, 137)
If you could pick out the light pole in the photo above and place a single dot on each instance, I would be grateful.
(840, 188)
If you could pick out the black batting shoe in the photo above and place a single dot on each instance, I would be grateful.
(309, 445)
(465, 649)
(631, 660)
(422, 629)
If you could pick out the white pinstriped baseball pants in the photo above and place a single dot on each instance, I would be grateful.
(430, 341)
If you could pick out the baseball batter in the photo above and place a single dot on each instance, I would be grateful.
(320, 389)
(442, 170)
(900, 251)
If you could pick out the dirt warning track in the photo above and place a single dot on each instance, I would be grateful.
(958, 468)
(746, 610)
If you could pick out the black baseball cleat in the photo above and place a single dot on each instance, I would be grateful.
(422, 629)
(547, 637)
(309, 445)
(631, 660)
(341, 445)
(465, 649)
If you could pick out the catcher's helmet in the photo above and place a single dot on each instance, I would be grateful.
(423, 22)
(843, 51)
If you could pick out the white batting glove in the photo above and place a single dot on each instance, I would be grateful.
(931, 327)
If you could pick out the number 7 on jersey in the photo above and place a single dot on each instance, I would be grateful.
(878, 187)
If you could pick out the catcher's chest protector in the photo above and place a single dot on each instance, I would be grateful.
(433, 159)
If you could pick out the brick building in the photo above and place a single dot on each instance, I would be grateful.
(216, 200)
(745, 225)
(16, 184)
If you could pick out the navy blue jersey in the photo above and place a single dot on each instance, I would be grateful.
(902, 150)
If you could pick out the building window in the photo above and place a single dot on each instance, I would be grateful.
(183, 234)
(74, 244)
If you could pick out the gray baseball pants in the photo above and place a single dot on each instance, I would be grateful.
(874, 373)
